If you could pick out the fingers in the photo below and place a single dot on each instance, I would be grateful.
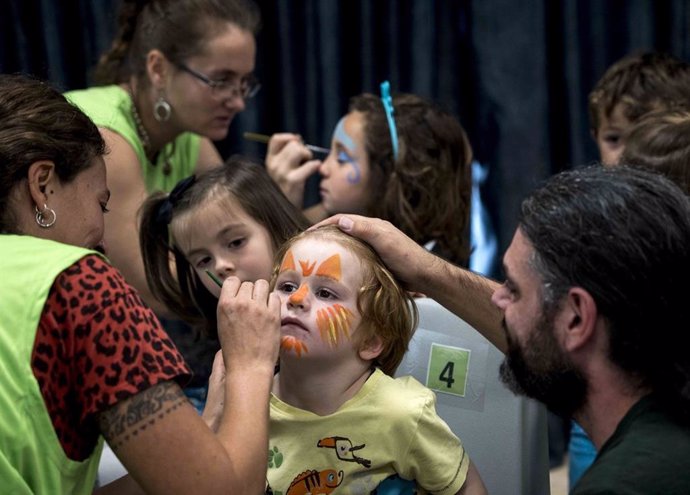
(355, 225)
(230, 286)
(285, 155)
(279, 140)
(234, 287)
(260, 290)
(306, 170)
(248, 325)
(274, 303)
(218, 368)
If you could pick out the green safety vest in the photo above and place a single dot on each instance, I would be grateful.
(31, 457)
(111, 107)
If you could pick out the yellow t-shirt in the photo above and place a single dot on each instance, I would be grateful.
(390, 427)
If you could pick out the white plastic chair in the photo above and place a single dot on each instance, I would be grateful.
(504, 435)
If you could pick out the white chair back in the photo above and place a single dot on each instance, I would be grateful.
(504, 435)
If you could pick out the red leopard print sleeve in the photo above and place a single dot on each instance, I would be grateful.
(97, 344)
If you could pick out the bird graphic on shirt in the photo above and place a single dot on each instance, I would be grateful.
(344, 449)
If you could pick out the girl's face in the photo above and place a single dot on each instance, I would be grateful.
(221, 237)
(318, 284)
(345, 174)
(229, 56)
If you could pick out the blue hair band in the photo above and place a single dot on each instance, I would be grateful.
(388, 107)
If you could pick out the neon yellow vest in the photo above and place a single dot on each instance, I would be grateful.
(111, 107)
(31, 457)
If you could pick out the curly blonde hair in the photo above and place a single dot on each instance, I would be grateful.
(388, 311)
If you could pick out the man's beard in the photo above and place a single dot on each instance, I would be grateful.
(540, 370)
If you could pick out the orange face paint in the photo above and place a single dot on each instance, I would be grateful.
(291, 343)
(333, 322)
(288, 262)
(330, 268)
(307, 268)
(298, 296)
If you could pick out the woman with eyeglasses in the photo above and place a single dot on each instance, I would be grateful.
(175, 77)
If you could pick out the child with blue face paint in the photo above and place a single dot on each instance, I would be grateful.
(412, 169)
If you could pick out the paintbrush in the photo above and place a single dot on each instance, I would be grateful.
(214, 278)
(263, 138)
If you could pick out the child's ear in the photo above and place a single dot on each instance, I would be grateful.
(371, 348)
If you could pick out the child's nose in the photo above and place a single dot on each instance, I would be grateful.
(324, 168)
(225, 267)
(298, 299)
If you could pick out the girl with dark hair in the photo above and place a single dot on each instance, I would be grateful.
(229, 221)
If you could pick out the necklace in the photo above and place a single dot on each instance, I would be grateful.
(144, 136)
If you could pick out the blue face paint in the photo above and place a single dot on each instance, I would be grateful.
(340, 135)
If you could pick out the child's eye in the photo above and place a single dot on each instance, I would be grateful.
(343, 157)
(612, 139)
(287, 287)
(202, 262)
(326, 294)
(235, 243)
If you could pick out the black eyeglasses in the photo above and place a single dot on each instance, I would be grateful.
(247, 88)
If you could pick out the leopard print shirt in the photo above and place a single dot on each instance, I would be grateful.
(97, 344)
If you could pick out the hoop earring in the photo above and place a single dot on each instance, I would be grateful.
(162, 109)
(41, 216)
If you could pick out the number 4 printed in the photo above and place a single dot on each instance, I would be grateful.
(448, 369)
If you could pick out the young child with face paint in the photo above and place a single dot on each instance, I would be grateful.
(228, 221)
(400, 158)
(339, 421)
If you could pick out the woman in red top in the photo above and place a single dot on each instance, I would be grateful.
(101, 361)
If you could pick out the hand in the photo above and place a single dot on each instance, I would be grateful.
(215, 400)
(409, 261)
(290, 164)
(248, 325)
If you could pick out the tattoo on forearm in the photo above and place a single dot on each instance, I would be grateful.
(122, 422)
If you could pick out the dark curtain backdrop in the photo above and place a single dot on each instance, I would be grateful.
(516, 73)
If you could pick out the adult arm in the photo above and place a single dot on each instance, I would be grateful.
(209, 157)
(127, 194)
(464, 293)
(168, 448)
(473, 483)
(290, 164)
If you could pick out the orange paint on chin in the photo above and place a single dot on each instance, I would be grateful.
(330, 268)
(291, 343)
(334, 322)
(288, 262)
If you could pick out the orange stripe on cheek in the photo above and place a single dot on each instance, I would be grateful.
(288, 262)
(298, 297)
(333, 322)
(330, 268)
